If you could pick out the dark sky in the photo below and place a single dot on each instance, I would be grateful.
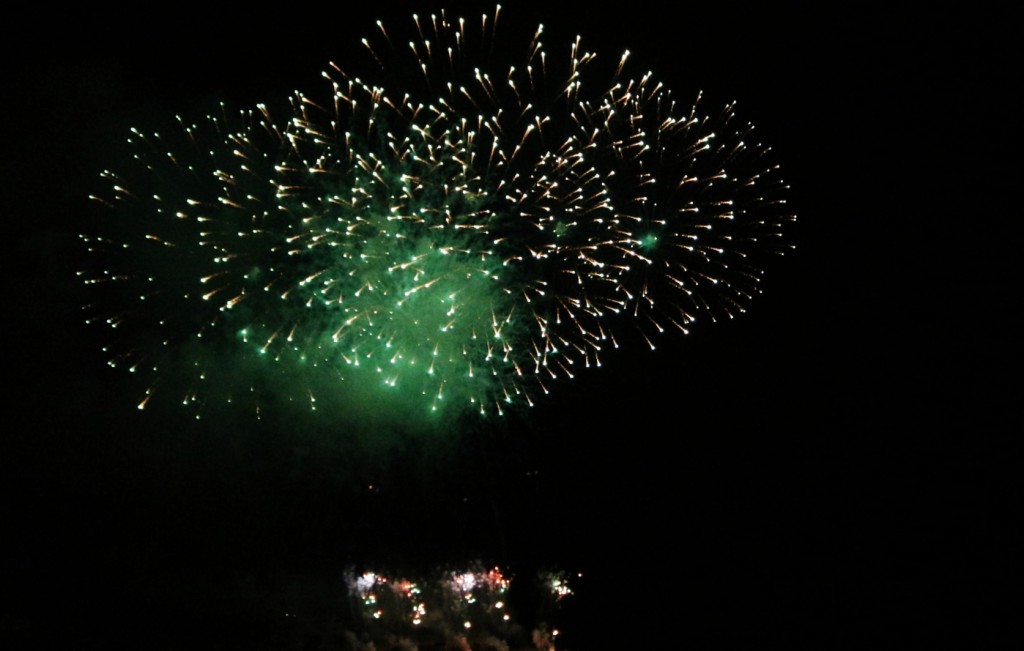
(838, 467)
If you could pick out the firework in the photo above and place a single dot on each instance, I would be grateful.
(457, 226)
(468, 604)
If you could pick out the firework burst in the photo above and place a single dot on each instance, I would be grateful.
(472, 227)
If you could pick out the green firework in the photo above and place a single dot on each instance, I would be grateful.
(460, 235)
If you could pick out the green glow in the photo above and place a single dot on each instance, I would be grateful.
(457, 245)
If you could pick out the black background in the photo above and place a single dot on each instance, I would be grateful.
(839, 467)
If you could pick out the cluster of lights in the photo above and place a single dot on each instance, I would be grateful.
(473, 600)
(372, 591)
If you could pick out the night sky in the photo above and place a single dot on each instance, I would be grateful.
(839, 467)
